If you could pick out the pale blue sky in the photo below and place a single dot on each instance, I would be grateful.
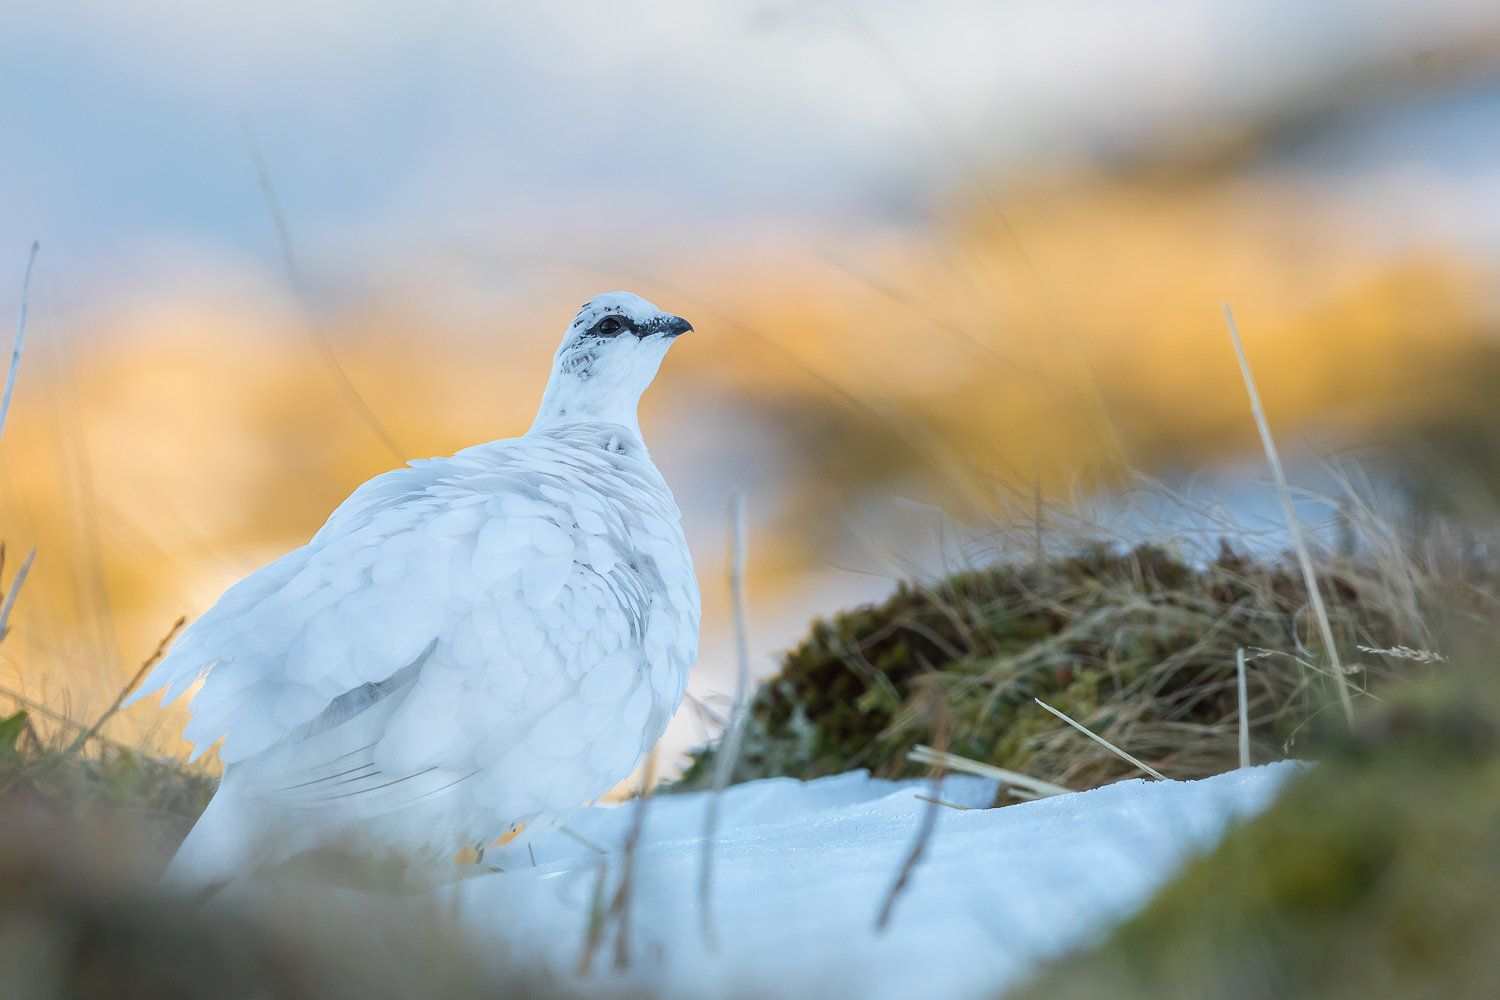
(395, 128)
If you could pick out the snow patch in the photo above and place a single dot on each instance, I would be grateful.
(801, 870)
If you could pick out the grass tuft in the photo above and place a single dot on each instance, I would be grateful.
(1139, 646)
(1373, 875)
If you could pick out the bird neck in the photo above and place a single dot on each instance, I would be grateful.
(573, 400)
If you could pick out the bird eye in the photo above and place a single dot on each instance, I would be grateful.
(609, 325)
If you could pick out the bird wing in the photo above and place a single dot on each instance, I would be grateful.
(352, 607)
(522, 621)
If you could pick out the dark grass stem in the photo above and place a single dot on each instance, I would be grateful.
(937, 707)
(618, 911)
(620, 908)
(598, 916)
(566, 831)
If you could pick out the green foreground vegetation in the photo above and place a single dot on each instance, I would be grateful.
(85, 833)
(1373, 876)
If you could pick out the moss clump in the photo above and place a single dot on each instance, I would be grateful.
(75, 783)
(1377, 874)
(1137, 645)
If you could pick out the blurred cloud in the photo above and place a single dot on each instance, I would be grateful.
(392, 126)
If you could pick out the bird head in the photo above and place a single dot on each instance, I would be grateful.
(608, 356)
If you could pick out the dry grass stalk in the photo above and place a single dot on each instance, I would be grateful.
(940, 802)
(151, 661)
(15, 354)
(51, 713)
(1325, 630)
(1104, 742)
(10, 596)
(1407, 653)
(920, 754)
(1036, 517)
(729, 749)
(294, 279)
(1239, 660)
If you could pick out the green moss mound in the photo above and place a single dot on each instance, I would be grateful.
(1137, 645)
(1377, 874)
(75, 782)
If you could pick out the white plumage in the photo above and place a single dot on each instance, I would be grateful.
(469, 644)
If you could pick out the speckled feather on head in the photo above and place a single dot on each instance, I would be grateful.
(469, 644)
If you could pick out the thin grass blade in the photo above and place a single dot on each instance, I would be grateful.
(15, 354)
(320, 342)
(151, 661)
(1239, 658)
(15, 590)
(920, 754)
(1311, 577)
(1103, 742)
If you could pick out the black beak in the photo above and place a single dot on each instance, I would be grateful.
(672, 326)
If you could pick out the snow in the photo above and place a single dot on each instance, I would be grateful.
(802, 868)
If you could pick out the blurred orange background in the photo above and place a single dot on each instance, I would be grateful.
(1051, 318)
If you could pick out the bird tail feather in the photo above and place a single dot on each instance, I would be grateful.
(222, 846)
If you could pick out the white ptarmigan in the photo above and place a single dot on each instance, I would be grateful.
(469, 644)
